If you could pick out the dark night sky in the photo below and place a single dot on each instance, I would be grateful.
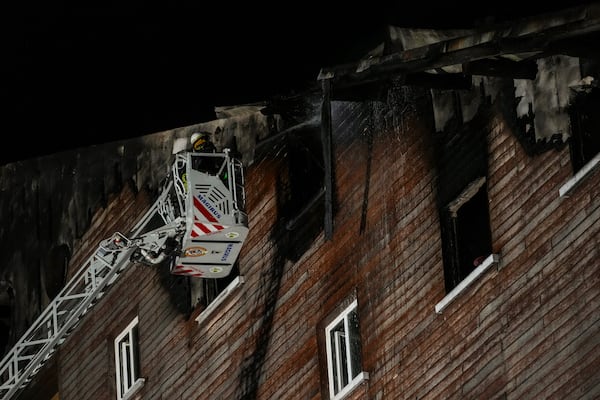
(76, 75)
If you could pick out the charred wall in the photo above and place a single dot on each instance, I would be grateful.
(46, 207)
(48, 204)
(526, 329)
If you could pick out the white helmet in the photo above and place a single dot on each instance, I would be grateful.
(201, 142)
(195, 136)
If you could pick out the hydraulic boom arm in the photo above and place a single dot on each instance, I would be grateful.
(192, 199)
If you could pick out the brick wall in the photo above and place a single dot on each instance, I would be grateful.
(526, 330)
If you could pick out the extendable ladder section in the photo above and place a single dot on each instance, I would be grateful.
(170, 219)
(61, 316)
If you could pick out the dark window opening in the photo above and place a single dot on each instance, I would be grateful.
(468, 236)
(585, 127)
(305, 169)
(136, 351)
(462, 163)
(301, 193)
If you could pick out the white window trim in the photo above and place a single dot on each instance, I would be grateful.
(139, 382)
(137, 385)
(233, 285)
(465, 283)
(361, 376)
(566, 189)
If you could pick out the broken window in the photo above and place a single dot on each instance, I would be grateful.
(462, 162)
(584, 143)
(344, 365)
(305, 171)
(127, 361)
(466, 233)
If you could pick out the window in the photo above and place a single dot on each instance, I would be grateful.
(209, 293)
(127, 362)
(585, 127)
(210, 288)
(343, 353)
(302, 200)
(584, 143)
(466, 240)
(462, 163)
(467, 236)
(219, 295)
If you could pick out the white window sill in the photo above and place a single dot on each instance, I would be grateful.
(465, 283)
(566, 189)
(237, 282)
(360, 378)
(138, 384)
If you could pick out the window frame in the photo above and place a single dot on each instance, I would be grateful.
(584, 144)
(220, 298)
(455, 269)
(127, 373)
(210, 289)
(583, 150)
(355, 375)
(483, 262)
(573, 182)
(492, 259)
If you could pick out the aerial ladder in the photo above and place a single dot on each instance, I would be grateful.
(197, 226)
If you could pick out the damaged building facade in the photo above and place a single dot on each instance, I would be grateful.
(425, 224)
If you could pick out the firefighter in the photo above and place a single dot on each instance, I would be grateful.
(201, 143)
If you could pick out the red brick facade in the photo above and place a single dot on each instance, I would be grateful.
(526, 329)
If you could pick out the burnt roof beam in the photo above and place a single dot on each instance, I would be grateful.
(502, 68)
(533, 43)
(442, 81)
